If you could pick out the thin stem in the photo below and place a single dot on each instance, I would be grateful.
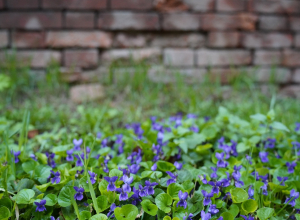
(284, 206)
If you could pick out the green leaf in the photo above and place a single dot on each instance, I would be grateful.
(250, 205)
(69, 213)
(195, 203)
(42, 172)
(84, 184)
(227, 216)
(167, 218)
(297, 216)
(234, 210)
(149, 207)
(43, 187)
(115, 172)
(165, 166)
(265, 213)
(259, 117)
(163, 202)
(238, 195)
(84, 215)
(4, 213)
(173, 190)
(51, 199)
(99, 217)
(279, 126)
(127, 212)
(29, 165)
(24, 196)
(25, 184)
(102, 203)
(65, 195)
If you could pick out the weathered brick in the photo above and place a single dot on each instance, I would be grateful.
(38, 59)
(273, 23)
(222, 74)
(130, 40)
(294, 23)
(28, 39)
(3, 39)
(24, 4)
(265, 75)
(267, 57)
(267, 40)
(91, 39)
(30, 20)
(75, 4)
(1, 4)
(206, 57)
(224, 39)
(201, 6)
(242, 21)
(278, 6)
(231, 5)
(296, 76)
(178, 40)
(181, 21)
(297, 40)
(128, 21)
(126, 54)
(179, 57)
(290, 91)
(81, 58)
(132, 4)
(80, 20)
(87, 92)
(291, 58)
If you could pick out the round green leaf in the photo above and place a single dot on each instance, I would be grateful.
(85, 215)
(250, 205)
(128, 212)
(51, 199)
(265, 213)
(4, 213)
(173, 190)
(297, 216)
(149, 207)
(238, 195)
(65, 195)
(165, 166)
(102, 203)
(29, 165)
(163, 202)
(227, 216)
(234, 210)
(24, 196)
(167, 218)
(98, 217)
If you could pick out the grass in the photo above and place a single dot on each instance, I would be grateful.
(131, 96)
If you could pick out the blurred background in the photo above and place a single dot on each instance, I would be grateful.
(124, 60)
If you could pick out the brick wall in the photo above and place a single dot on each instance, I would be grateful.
(193, 36)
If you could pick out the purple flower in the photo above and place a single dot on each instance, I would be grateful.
(292, 199)
(265, 189)
(207, 196)
(194, 129)
(77, 143)
(78, 172)
(104, 143)
(270, 143)
(221, 162)
(40, 206)
(297, 128)
(214, 174)
(134, 168)
(249, 159)
(182, 199)
(178, 165)
(99, 135)
(251, 192)
(154, 167)
(216, 185)
(111, 183)
(79, 163)
(291, 166)
(32, 156)
(191, 116)
(135, 197)
(173, 178)
(92, 177)
(160, 138)
(189, 217)
(205, 216)
(149, 187)
(135, 157)
(79, 193)
(123, 195)
(52, 218)
(56, 177)
(16, 155)
(142, 191)
(237, 182)
(248, 218)
(203, 179)
(264, 157)
(110, 214)
(213, 209)
(127, 180)
(225, 182)
(282, 180)
(51, 161)
(70, 155)
(206, 118)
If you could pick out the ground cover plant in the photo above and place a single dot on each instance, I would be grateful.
(181, 167)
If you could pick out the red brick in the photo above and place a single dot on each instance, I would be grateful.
(265, 75)
(128, 21)
(297, 40)
(231, 5)
(23, 4)
(179, 57)
(267, 57)
(200, 5)
(181, 21)
(75, 4)
(30, 20)
(90, 39)
(3, 39)
(1, 3)
(130, 40)
(224, 39)
(192, 40)
(273, 23)
(267, 40)
(87, 92)
(291, 58)
(206, 57)
(80, 20)
(38, 59)
(278, 6)
(291, 91)
(28, 39)
(296, 76)
(132, 4)
(81, 58)
(242, 21)
(295, 23)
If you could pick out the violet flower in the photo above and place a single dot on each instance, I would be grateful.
(77, 143)
(225, 182)
(297, 128)
(127, 180)
(178, 165)
(203, 179)
(205, 216)
(32, 156)
(237, 182)
(142, 191)
(213, 209)
(214, 174)
(149, 187)
(291, 166)
(135, 197)
(111, 183)
(154, 167)
(251, 192)
(248, 218)
(282, 180)
(56, 177)
(79, 193)
(51, 161)
(40, 206)
(93, 177)
(215, 185)
(172, 179)
(264, 189)
(292, 199)
(207, 196)
(110, 214)
(16, 156)
(221, 162)
(123, 195)
(134, 168)
(70, 155)
(194, 129)
(182, 199)
(270, 143)
(264, 157)
(189, 217)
